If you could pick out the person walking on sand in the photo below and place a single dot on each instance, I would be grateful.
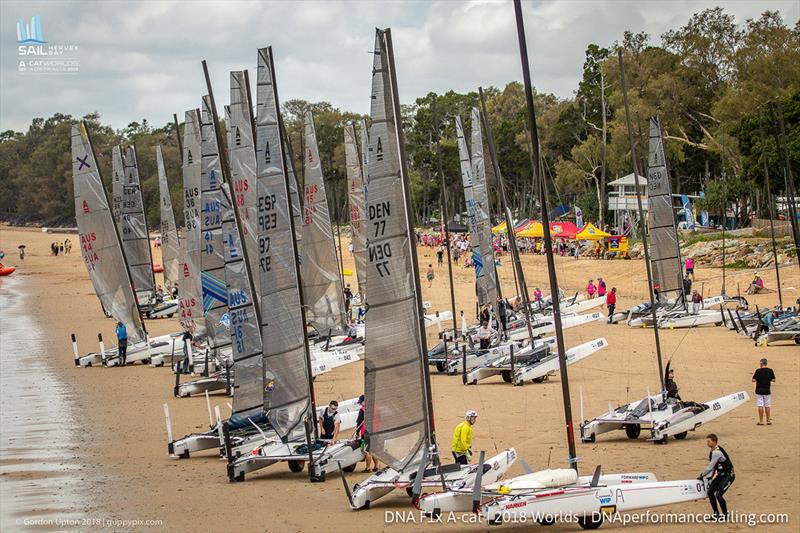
(764, 377)
(21, 249)
(502, 313)
(371, 463)
(67, 246)
(462, 439)
(439, 256)
(601, 287)
(611, 303)
(697, 302)
(590, 288)
(720, 468)
(430, 275)
(122, 342)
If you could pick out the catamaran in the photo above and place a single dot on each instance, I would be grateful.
(399, 408)
(664, 416)
(105, 260)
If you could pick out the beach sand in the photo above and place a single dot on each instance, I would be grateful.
(125, 473)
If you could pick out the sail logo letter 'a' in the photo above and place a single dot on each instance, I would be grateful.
(379, 150)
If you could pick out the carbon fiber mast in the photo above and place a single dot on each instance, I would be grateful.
(548, 241)
(642, 227)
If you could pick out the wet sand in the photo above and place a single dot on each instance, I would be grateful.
(119, 450)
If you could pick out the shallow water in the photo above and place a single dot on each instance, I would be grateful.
(40, 476)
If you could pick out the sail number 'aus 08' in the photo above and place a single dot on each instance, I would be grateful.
(379, 254)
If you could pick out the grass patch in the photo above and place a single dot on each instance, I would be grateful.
(739, 263)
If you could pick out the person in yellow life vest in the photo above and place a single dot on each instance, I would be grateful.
(462, 439)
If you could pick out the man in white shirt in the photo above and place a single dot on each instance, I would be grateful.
(484, 335)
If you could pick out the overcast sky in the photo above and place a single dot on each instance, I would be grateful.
(141, 59)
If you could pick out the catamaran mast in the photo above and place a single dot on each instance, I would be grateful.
(771, 206)
(445, 215)
(724, 212)
(642, 227)
(426, 377)
(178, 133)
(791, 195)
(548, 241)
(512, 239)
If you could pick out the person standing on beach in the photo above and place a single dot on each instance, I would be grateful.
(611, 303)
(329, 422)
(720, 468)
(430, 275)
(122, 342)
(462, 439)
(187, 348)
(601, 287)
(484, 335)
(764, 377)
(689, 267)
(502, 313)
(21, 249)
(439, 256)
(590, 288)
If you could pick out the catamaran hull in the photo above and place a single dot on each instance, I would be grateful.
(201, 386)
(675, 419)
(384, 482)
(550, 365)
(461, 501)
(190, 444)
(163, 310)
(703, 318)
(589, 504)
(566, 322)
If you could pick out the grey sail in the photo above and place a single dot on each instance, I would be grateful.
(482, 251)
(189, 286)
(286, 370)
(212, 261)
(248, 397)
(355, 198)
(135, 237)
(117, 178)
(322, 281)
(170, 247)
(664, 247)
(100, 244)
(396, 407)
(243, 164)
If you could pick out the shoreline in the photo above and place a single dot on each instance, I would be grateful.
(121, 437)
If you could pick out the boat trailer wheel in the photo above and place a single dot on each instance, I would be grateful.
(590, 522)
(633, 430)
(682, 435)
(296, 466)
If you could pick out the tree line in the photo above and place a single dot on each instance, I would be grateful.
(714, 84)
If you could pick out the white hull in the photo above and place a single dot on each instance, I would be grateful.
(566, 322)
(663, 419)
(589, 504)
(550, 365)
(385, 481)
(584, 305)
(702, 318)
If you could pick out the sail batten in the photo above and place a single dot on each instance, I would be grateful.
(170, 246)
(355, 194)
(212, 260)
(320, 266)
(396, 401)
(101, 247)
(189, 286)
(285, 367)
(665, 255)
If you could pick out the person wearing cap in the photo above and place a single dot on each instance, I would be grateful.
(764, 377)
(462, 439)
(361, 434)
(757, 285)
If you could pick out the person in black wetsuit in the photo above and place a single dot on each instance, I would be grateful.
(502, 313)
(671, 385)
(720, 467)
(329, 422)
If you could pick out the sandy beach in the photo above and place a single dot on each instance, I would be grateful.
(123, 478)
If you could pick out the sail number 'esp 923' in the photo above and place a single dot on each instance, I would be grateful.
(267, 220)
(381, 252)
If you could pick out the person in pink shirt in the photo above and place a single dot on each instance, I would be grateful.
(601, 287)
(689, 267)
(590, 288)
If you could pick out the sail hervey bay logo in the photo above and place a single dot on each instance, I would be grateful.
(37, 55)
(30, 32)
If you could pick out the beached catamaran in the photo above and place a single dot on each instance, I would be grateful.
(665, 416)
(103, 255)
(399, 406)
